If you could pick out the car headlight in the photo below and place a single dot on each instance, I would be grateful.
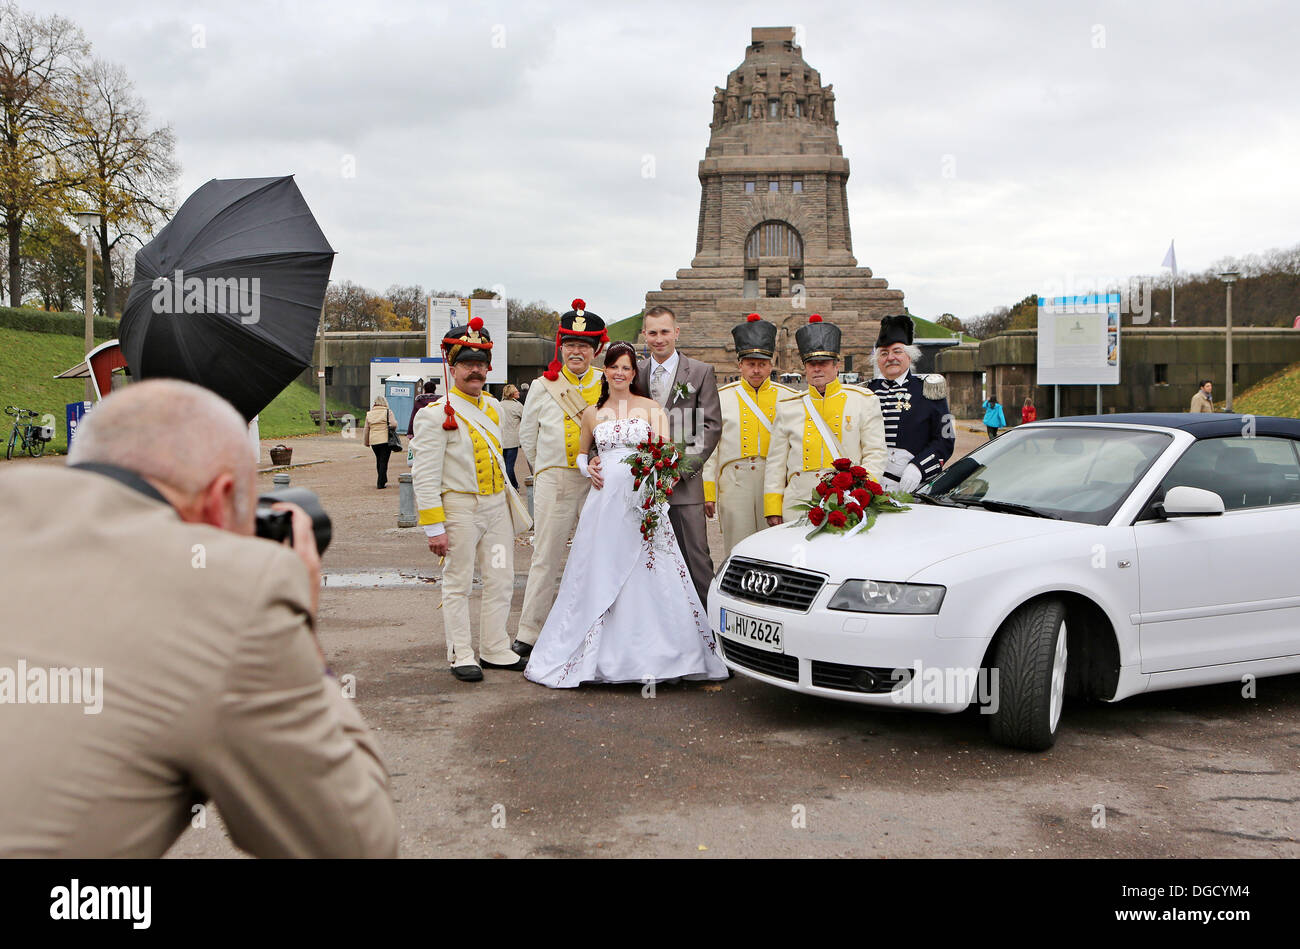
(881, 596)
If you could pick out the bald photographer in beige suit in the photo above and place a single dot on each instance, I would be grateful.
(183, 649)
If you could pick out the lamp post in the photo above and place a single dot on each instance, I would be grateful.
(320, 369)
(89, 220)
(1229, 277)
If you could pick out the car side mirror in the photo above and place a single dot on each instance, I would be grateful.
(1184, 501)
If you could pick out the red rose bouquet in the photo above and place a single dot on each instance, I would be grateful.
(847, 501)
(657, 466)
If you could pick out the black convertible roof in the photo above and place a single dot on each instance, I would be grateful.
(1202, 424)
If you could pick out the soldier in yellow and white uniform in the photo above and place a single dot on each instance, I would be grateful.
(549, 433)
(460, 491)
(734, 473)
(831, 420)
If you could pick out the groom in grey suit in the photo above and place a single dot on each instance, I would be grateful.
(688, 391)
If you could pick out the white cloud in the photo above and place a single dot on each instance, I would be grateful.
(522, 165)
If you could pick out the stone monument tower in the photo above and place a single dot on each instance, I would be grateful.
(773, 235)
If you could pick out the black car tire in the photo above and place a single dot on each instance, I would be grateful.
(1031, 676)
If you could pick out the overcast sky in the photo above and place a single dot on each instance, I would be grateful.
(996, 149)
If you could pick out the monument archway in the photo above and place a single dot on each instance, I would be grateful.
(773, 259)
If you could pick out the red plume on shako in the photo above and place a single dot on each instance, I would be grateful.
(578, 325)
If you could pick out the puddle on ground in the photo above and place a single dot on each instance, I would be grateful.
(374, 579)
(379, 579)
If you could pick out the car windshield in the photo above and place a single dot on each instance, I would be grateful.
(1072, 473)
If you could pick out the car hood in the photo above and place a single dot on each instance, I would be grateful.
(899, 545)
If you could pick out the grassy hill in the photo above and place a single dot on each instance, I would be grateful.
(29, 360)
(925, 329)
(1278, 395)
(628, 330)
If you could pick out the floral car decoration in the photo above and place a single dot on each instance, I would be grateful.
(848, 500)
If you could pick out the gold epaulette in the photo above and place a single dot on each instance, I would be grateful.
(729, 385)
(863, 390)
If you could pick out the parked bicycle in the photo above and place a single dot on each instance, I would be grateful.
(26, 435)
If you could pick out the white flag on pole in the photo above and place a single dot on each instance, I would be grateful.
(1170, 260)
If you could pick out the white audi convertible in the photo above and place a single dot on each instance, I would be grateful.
(1097, 556)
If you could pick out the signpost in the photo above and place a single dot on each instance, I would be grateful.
(446, 312)
(1078, 342)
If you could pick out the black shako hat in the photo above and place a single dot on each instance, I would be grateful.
(818, 339)
(580, 325)
(895, 329)
(755, 337)
(470, 343)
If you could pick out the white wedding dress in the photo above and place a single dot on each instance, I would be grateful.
(625, 611)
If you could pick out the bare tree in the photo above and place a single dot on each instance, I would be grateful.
(125, 170)
(37, 55)
(408, 303)
(536, 317)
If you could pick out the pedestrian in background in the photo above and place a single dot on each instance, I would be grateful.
(994, 417)
(1028, 413)
(1203, 401)
(427, 397)
(512, 410)
(381, 432)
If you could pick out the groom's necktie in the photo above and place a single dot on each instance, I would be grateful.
(659, 385)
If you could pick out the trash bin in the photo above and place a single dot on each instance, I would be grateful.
(75, 412)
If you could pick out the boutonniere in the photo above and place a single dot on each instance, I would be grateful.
(682, 389)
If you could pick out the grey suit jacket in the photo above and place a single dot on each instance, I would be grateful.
(211, 685)
(694, 416)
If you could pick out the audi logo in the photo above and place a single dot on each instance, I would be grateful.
(760, 582)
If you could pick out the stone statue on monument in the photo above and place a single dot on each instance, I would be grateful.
(719, 113)
(758, 103)
(815, 104)
(788, 96)
(830, 105)
(733, 97)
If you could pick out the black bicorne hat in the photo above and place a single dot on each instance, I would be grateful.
(895, 329)
(818, 339)
(755, 337)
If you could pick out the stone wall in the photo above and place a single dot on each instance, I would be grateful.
(348, 356)
(1159, 369)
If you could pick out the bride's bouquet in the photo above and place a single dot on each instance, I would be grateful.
(848, 500)
(657, 466)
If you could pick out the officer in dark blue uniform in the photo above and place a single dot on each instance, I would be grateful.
(919, 428)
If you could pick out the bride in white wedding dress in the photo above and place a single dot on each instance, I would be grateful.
(625, 612)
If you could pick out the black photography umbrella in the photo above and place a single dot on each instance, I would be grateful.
(228, 295)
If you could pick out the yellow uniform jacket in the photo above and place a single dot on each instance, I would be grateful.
(742, 434)
(852, 413)
(547, 435)
(455, 459)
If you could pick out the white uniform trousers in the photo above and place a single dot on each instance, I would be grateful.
(740, 501)
(479, 533)
(558, 496)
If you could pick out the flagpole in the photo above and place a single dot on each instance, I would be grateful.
(1173, 281)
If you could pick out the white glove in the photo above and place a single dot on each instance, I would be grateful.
(910, 478)
(582, 466)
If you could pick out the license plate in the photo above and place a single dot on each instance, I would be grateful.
(759, 633)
